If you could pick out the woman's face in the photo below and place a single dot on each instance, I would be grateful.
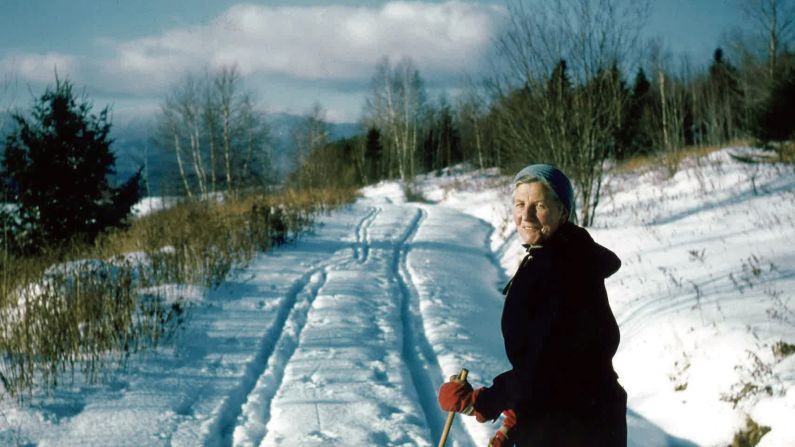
(536, 213)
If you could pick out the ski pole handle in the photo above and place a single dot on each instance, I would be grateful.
(462, 377)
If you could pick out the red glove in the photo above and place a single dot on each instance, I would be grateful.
(500, 438)
(459, 397)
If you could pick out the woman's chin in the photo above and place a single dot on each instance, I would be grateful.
(531, 237)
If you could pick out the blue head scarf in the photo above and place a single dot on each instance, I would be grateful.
(555, 179)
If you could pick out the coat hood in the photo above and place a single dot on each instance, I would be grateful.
(580, 246)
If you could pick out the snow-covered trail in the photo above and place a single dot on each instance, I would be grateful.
(348, 379)
(341, 339)
(321, 342)
(191, 392)
(374, 348)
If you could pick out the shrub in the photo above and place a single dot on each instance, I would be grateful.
(413, 193)
(82, 317)
(751, 435)
(774, 122)
(782, 349)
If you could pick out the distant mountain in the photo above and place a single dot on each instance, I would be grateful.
(135, 148)
(283, 123)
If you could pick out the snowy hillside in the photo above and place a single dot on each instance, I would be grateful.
(705, 294)
(343, 337)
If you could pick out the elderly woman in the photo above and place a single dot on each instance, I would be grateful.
(559, 332)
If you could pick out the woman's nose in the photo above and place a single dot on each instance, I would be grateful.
(529, 213)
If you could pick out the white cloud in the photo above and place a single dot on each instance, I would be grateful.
(337, 43)
(36, 67)
(291, 56)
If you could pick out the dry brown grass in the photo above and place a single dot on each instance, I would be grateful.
(786, 152)
(671, 160)
(77, 308)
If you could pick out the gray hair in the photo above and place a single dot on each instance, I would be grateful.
(555, 181)
(533, 179)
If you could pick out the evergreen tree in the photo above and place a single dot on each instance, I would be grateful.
(449, 138)
(724, 100)
(373, 155)
(559, 84)
(441, 146)
(775, 122)
(557, 107)
(609, 90)
(637, 132)
(55, 170)
(428, 155)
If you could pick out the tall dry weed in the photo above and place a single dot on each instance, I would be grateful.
(80, 309)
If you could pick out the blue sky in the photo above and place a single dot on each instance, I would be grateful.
(128, 53)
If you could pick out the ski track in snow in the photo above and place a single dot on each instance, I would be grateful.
(310, 385)
(715, 292)
(418, 355)
(254, 413)
(267, 364)
(362, 232)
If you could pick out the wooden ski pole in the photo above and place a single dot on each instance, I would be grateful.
(462, 377)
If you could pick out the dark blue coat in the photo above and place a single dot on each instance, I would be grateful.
(560, 337)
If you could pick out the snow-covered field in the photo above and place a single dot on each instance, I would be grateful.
(343, 337)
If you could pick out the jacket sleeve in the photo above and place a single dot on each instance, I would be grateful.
(531, 308)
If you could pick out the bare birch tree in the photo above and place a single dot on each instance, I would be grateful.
(310, 135)
(775, 20)
(471, 116)
(219, 140)
(394, 107)
(179, 131)
(672, 108)
(228, 105)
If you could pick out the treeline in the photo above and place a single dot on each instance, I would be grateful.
(573, 84)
